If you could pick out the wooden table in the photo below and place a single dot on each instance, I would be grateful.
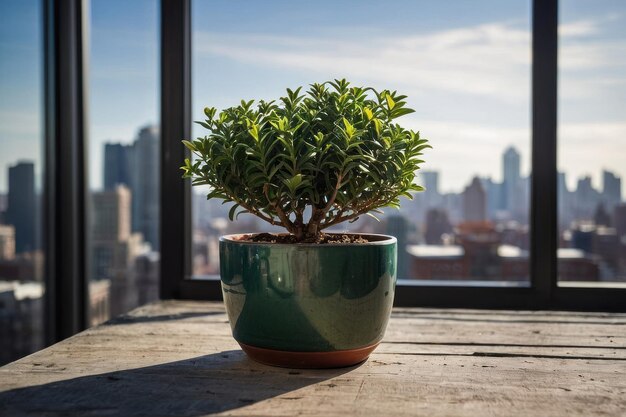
(177, 358)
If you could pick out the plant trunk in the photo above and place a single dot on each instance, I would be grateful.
(307, 232)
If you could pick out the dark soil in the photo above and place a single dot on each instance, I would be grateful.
(322, 238)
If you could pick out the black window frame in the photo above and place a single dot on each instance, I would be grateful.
(65, 192)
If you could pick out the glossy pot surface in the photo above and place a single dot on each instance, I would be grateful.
(308, 297)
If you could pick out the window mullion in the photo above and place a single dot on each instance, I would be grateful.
(543, 251)
(175, 126)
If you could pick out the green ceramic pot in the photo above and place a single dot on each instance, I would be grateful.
(308, 305)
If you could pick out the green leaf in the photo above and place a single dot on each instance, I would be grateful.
(204, 125)
(401, 112)
(294, 182)
(390, 103)
(209, 112)
(254, 131)
(378, 125)
(231, 212)
(189, 145)
(349, 128)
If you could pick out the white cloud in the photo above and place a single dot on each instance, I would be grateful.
(490, 60)
(579, 28)
(574, 55)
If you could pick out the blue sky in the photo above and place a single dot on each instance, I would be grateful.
(20, 84)
(464, 64)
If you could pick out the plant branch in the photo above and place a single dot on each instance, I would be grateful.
(288, 224)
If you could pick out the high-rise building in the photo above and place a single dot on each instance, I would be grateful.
(7, 242)
(147, 277)
(521, 201)
(564, 201)
(21, 319)
(619, 219)
(494, 197)
(112, 214)
(586, 198)
(437, 225)
(21, 205)
(611, 189)
(113, 247)
(510, 177)
(3, 207)
(398, 226)
(145, 185)
(474, 202)
(117, 165)
(430, 179)
(601, 217)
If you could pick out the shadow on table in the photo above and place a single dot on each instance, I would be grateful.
(193, 387)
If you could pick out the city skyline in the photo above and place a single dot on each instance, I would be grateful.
(571, 182)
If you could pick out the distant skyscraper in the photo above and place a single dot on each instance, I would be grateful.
(582, 238)
(563, 201)
(510, 178)
(611, 189)
(562, 184)
(21, 205)
(522, 200)
(586, 198)
(601, 217)
(437, 224)
(7, 242)
(430, 179)
(619, 219)
(494, 196)
(475, 202)
(3, 204)
(111, 218)
(145, 185)
(117, 164)
(113, 247)
(397, 226)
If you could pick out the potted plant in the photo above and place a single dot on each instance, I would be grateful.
(308, 298)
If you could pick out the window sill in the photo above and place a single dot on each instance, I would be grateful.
(178, 358)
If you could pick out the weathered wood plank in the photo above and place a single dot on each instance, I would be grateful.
(178, 358)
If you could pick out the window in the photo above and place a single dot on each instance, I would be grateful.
(466, 68)
(22, 288)
(124, 148)
(592, 144)
(536, 284)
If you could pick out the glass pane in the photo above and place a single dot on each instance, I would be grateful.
(124, 155)
(465, 67)
(592, 143)
(21, 167)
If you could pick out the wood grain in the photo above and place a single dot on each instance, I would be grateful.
(177, 358)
